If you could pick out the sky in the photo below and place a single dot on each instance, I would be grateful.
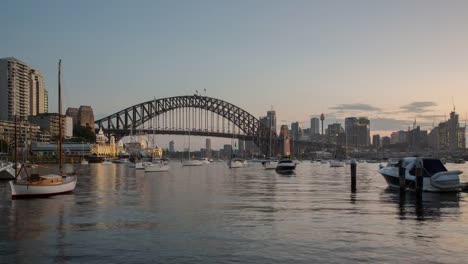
(392, 61)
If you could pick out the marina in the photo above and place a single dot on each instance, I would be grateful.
(213, 214)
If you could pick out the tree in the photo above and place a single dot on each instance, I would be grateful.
(85, 133)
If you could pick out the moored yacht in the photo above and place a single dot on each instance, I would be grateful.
(285, 166)
(7, 172)
(157, 165)
(336, 163)
(436, 178)
(235, 163)
(33, 184)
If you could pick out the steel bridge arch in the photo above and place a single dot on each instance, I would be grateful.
(136, 115)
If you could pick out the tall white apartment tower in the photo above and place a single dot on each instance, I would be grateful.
(22, 90)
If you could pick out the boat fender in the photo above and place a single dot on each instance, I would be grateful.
(436, 176)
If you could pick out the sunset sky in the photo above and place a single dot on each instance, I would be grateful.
(393, 61)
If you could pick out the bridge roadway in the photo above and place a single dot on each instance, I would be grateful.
(126, 132)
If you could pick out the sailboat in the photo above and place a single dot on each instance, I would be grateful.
(335, 162)
(234, 162)
(157, 165)
(190, 161)
(33, 184)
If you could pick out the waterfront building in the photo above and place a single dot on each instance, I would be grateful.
(314, 126)
(73, 113)
(26, 131)
(50, 122)
(104, 147)
(398, 137)
(86, 116)
(22, 90)
(69, 149)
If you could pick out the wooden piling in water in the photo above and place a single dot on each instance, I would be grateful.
(419, 177)
(402, 176)
(353, 175)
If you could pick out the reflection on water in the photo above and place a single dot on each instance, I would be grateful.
(212, 214)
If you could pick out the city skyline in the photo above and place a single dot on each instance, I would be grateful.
(303, 58)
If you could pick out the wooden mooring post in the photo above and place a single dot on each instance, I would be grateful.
(402, 177)
(353, 175)
(419, 178)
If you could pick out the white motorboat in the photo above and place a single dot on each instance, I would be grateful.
(7, 172)
(336, 163)
(235, 163)
(204, 160)
(121, 160)
(33, 184)
(436, 178)
(285, 166)
(157, 166)
(107, 162)
(140, 165)
(270, 164)
(84, 162)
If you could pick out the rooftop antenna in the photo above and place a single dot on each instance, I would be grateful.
(453, 103)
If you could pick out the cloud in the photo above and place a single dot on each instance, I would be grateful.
(417, 106)
(389, 124)
(355, 107)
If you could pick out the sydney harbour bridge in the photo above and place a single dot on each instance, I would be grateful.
(195, 115)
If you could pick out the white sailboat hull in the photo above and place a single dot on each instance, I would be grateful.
(157, 168)
(23, 190)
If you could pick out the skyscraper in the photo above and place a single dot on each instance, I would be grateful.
(296, 131)
(357, 131)
(22, 90)
(171, 146)
(314, 126)
(271, 119)
(208, 147)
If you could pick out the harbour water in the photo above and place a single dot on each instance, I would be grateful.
(212, 214)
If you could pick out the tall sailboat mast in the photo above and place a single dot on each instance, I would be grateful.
(60, 112)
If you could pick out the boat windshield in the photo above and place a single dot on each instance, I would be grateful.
(431, 167)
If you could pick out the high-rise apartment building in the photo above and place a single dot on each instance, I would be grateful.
(73, 113)
(85, 116)
(22, 91)
(271, 119)
(171, 146)
(208, 147)
(314, 126)
(357, 131)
